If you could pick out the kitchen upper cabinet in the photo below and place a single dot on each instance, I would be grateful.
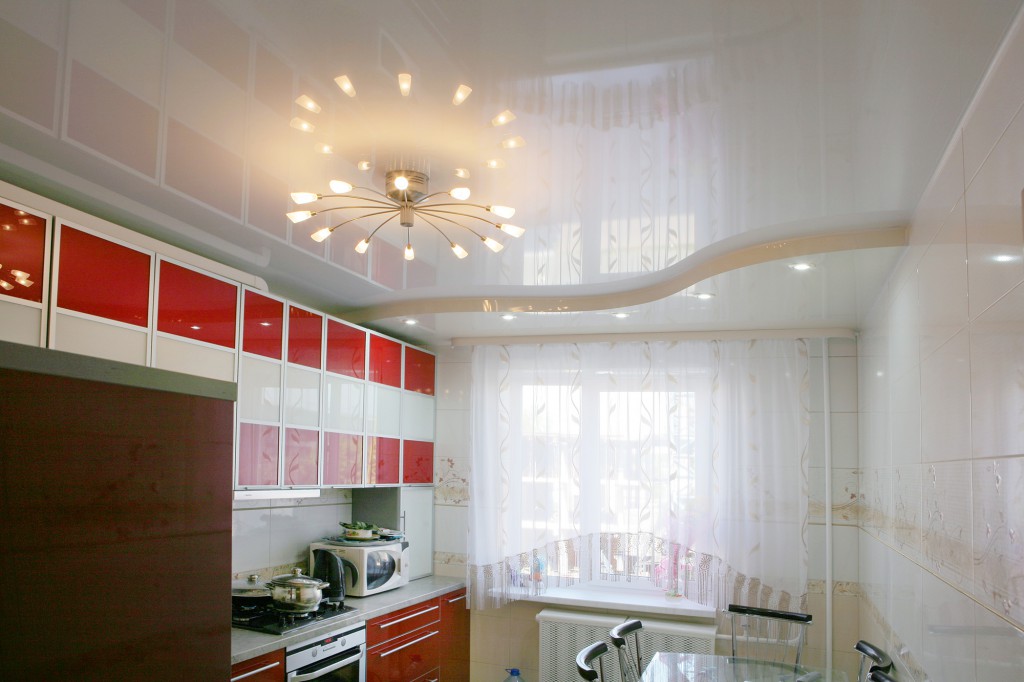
(382, 460)
(301, 457)
(24, 274)
(262, 325)
(305, 337)
(343, 458)
(346, 349)
(103, 297)
(419, 371)
(455, 637)
(197, 319)
(417, 462)
(385, 366)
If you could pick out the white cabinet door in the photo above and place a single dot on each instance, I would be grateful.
(418, 514)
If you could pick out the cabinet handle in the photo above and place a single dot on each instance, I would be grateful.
(256, 671)
(455, 599)
(411, 615)
(409, 644)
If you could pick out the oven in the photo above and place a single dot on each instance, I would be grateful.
(336, 657)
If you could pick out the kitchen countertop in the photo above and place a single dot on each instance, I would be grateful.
(246, 644)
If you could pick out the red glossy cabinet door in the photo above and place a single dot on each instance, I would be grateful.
(258, 454)
(343, 459)
(405, 644)
(385, 361)
(265, 668)
(262, 325)
(382, 457)
(419, 371)
(417, 462)
(99, 277)
(22, 254)
(455, 633)
(305, 337)
(346, 350)
(196, 306)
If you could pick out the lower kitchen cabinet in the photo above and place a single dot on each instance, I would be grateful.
(265, 668)
(405, 645)
(454, 637)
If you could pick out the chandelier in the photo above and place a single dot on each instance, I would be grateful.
(407, 198)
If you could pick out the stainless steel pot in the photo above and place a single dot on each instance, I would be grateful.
(296, 593)
(249, 593)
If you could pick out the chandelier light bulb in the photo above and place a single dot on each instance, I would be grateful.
(362, 246)
(513, 230)
(402, 182)
(514, 142)
(325, 148)
(364, 165)
(307, 103)
(405, 84)
(502, 211)
(459, 252)
(492, 244)
(409, 254)
(346, 85)
(503, 118)
(340, 186)
(302, 124)
(495, 163)
(304, 197)
(6, 285)
(460, 193)
(321, 234)
(462, 173)
(19, 274)
(299, 216)
(461, 94)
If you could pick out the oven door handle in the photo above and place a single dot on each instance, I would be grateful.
(320, 672)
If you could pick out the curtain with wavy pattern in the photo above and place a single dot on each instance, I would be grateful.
(680, 464)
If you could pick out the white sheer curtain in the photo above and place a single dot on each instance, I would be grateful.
(682, 464)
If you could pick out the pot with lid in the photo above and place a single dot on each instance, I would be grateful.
(249, 594)
(296, 593)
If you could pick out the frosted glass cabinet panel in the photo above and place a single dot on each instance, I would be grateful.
(383, 410)
(259, 389)
(343, 404)
(259, 455)
(301, 396)
(417, 416)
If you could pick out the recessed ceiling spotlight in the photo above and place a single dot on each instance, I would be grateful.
(703, 295)
(307, 103)
(409, 321)
(513, 142)
(364, 165)
(508, 317)
(7, 227)
(461, 94)
(462, 173)
(346, 85)
(620, 316)
(405, 84)
(301, 124)
(494, 163)
(801, 267)
(325, 148)
(503, 118)
(1005, 258)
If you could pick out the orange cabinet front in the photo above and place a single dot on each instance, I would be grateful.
(99, 277)
(419, 371)
(196, 306)
(265, 668)
(417, 462)
(404, 645)
(455, 637)
(385, 361)
(262, 325)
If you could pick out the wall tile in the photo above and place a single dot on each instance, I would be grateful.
(994, 222)
(904, 610)
(250, 539)
(905, 417)
(451, 480)
(293, 528)
(453, 384)
(999, 535)
(907, 510)
(943, 279)
(999, 652)
(947, 650)
(997, 368)
(450, 528)
(947, 528)
(943, 192)
(452, 439)
(946, 401)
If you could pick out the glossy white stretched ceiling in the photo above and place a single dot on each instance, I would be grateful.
(672, 147)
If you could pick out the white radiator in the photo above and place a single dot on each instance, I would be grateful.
(564, 633)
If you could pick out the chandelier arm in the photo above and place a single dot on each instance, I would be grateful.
(388, 220)
(437, 194)
(436, 214)
(389, 202)
(453, 203)
(420, 213)
(373, 191)
(365, 215)
(439, 231)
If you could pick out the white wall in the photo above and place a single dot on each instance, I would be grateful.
(942, 411)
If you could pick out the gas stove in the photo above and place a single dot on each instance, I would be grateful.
(270, 620)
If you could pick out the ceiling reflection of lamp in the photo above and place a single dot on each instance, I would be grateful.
(406, 198)
(20, 277)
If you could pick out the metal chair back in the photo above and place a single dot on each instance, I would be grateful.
(630, 660)
(768, 634)
(586, 658)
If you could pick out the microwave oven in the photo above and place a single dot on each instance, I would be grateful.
(373, 567)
